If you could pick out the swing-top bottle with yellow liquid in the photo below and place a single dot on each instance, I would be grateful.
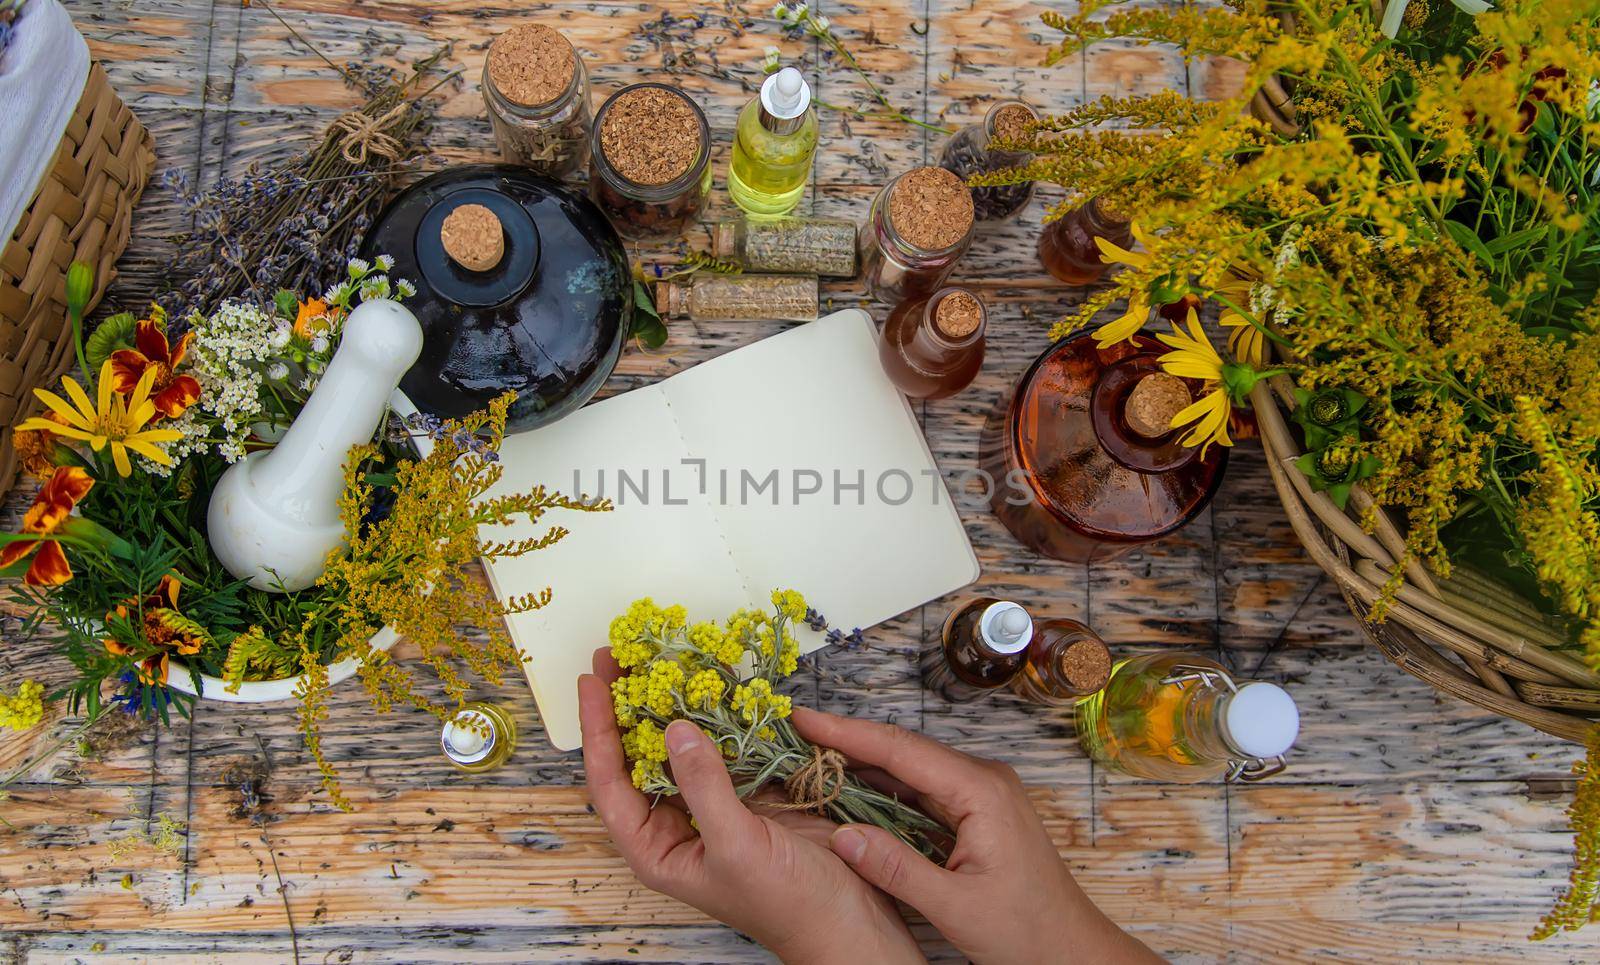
(773, 145)
(1182, 718)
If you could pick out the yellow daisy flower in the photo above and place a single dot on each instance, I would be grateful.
(1194, 358)
(1124, 326)
(115, 421)
(1246, 342)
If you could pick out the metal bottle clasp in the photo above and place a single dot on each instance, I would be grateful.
(1250, 769)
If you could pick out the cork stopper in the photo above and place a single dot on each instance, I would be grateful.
(1009, 121)
(1086, 665)
(672, 299)
(531, 65)
(473, 238)
(650, 135)
(723, 239)
(931, 208)
(959, 314)
(1154, 401)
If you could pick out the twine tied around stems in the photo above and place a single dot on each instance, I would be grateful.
(815, 784)
(364, 134)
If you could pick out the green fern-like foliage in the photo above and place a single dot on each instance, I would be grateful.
(255, 656)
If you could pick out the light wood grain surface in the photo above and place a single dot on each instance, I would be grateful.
(1408, 827)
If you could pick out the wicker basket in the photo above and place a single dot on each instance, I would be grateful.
(1469, 636)
(82, 211)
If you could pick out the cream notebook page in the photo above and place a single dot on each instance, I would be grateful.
(743, 477)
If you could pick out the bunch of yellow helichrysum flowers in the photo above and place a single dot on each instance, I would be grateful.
(722, 677)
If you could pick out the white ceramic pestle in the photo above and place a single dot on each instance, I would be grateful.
(274, 517)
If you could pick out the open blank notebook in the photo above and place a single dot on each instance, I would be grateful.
(791, 463)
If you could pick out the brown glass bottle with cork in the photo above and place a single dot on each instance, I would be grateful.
(1066, 245)
(982, 645)
(932, 347)
(1085, 462)
(1066, 661)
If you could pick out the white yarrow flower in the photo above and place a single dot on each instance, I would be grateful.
(357, 267)
(384, 262)
(404, 288)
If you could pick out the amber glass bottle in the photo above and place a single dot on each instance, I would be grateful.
(982, 646)
(1083, 462)
(1066, 662)
(1067, 249)
(932, 347)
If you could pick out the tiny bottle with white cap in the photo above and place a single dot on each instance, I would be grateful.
(773, 145)
(982, 646)
(1182, 718)
(480, 737)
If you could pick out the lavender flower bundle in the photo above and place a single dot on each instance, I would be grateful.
(295, 225)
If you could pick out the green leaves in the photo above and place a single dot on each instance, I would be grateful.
(647, 325)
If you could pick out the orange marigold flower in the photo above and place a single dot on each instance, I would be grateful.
(36, 449)
(312, 317)
(164, 627)
(50, 509)
(171, 392)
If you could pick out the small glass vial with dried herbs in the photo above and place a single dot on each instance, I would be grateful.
(971, 151)
(537, 91)
(788, 245)
(716, 297)
(919, 227)
(480, 737)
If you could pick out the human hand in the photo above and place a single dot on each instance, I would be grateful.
(770, 874)
(1004, 895)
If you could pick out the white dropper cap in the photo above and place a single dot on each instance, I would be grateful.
(1262, 720)
(785, 94)
(1005, 627)
(464, 737)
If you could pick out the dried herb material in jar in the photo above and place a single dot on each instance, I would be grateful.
(971, 151)
(708, 297)
(789, 245)
(650, 167)
(537, 92)
(919, 227)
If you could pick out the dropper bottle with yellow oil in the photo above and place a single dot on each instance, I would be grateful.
(773, 146)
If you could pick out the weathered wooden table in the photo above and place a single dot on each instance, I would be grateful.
(1408, 826)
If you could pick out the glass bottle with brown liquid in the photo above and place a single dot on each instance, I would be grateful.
(982, 646)
(1180, 717)
(1066, 662)
(1066, 245)
(932, 347)
(1084, 460)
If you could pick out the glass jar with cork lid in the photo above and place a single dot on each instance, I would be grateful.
(933, 347)
(1088, 434)
(972, 150)
(537, 92)
(649, 164)
(919, 227)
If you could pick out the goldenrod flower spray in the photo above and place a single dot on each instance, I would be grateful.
(720, 676)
